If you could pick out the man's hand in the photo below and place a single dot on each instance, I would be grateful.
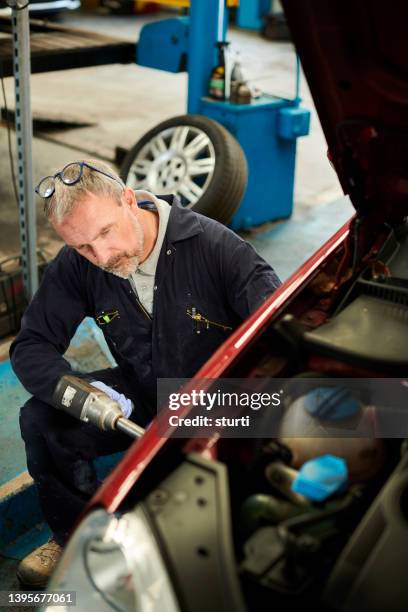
(125, 403)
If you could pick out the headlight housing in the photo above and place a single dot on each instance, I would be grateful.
(115, 564)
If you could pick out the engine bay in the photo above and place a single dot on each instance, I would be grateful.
(354, 325)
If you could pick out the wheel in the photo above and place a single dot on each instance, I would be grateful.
(193, 157)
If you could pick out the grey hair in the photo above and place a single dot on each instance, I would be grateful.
(66, 197)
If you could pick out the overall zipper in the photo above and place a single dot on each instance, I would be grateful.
(138, 302)
(142, 308)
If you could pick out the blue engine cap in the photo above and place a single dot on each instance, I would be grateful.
(319, 478)
(331, 403)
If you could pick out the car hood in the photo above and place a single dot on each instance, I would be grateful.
(355, 58)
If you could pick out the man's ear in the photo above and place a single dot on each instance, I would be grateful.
(129, 198)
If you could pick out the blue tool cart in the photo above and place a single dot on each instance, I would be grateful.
(267, 128)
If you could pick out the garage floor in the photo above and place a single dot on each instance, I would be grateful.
(115, 106)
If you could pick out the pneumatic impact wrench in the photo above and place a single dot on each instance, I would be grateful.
(81, 400)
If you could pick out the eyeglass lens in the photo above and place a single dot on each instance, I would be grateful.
(71, 173)
(46, 187)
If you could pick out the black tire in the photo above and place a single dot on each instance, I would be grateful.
(222, 191)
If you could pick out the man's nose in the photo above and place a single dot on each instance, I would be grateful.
(100, 253)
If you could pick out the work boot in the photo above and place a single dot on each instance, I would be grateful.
(35, 570)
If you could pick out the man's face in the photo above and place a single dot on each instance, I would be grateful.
(108, 235)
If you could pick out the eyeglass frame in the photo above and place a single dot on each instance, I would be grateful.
(59, 174)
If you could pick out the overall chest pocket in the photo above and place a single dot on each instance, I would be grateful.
(108, 319)
(116, 330)
(202, 328)
(203, 320)
(188, 333)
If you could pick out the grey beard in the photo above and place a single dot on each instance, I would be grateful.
(117, 271)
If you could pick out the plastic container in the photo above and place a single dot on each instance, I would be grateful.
(340, 432)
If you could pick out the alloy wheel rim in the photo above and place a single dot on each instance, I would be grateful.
(179, 160)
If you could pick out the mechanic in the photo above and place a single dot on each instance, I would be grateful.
(166, 286)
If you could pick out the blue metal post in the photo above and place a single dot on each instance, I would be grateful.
(250, 13)
(208, 19)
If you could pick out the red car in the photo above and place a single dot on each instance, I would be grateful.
(206, 523)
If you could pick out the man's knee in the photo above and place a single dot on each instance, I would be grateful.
(39, 420)
(34, 416)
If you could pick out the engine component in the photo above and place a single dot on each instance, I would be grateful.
(281, 478)
(289, 557)
(314, 414)
(261, 510)
(320, 478)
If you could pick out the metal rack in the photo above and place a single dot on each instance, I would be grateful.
(55, 47)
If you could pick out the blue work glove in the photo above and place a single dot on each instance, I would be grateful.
(125, 403)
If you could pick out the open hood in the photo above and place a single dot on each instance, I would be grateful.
(355, 57)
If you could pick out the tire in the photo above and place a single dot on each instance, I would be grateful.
(193, 157)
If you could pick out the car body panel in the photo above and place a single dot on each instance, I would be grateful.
(354, 55)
